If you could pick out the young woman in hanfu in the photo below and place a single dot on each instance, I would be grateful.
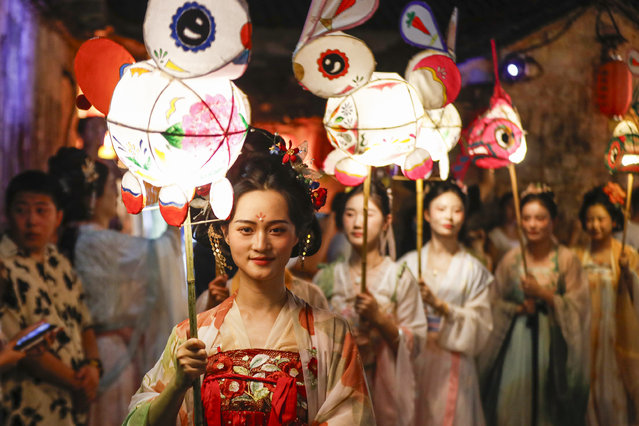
(388, 319)
(134, 285)
(534, 370)
(455, 290)
(267, 356)
(601, 215)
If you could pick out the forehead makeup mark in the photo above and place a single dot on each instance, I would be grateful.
(261, 216)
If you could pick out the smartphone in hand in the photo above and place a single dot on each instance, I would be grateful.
(34, 337)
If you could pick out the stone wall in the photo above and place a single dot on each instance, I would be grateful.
(566, 134)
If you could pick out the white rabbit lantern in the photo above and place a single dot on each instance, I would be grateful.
(372, 118)
(176, 122)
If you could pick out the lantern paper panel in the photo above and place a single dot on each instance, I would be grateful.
(418, 27)
(171, 131)
(496, 138)
(377, 124)
(325, 16)
(438, 135)
(189, 39)
(436, 78)
(98, 65)
(418, 164)
(614, 88)
(333, 65)
(622, 154)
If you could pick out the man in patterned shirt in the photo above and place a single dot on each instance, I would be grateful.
(38, 283)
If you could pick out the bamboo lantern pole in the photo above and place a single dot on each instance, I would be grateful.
(420, 224)
(520, 232)
(190, 278)
(626, 215)
(367, 192)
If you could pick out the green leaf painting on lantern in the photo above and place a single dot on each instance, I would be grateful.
(174, 135)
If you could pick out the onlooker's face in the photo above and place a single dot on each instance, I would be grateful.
(445, 214)
(33, 221)
(353, 220)
(599, 224)
(536, 221)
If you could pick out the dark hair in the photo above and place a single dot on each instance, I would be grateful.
(255, 170)
(546, 199)
(35, 181)
(379, 196)
(439, 188)
(66, 165)
(598, 196)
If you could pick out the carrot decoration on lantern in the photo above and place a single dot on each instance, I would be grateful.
(415, 22)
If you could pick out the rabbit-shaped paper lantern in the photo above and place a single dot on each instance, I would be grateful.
(436, 78)
(372, 118)
(176, 122)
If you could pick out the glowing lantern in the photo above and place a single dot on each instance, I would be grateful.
(176, 122)
(614, 88)
(432, 72)
(370, 134)
(439, 134)
(622, 154)
(106, 151)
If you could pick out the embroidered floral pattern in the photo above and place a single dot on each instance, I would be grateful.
(247, 379)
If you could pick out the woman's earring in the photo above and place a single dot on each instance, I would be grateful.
(306, 246)
(220, 261)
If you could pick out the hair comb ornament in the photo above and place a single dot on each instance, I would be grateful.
(294, 157)
(537, 188)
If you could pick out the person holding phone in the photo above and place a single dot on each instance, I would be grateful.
(37, 283)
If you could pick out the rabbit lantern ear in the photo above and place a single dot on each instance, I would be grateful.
(191, 39)
(334, 15)
(419, 28)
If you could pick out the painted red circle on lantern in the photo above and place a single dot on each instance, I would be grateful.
(333, 63)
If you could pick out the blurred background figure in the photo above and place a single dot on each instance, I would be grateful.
(135, 286)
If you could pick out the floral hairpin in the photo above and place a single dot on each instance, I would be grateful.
(537, 188)
(88, 170)
(615, 193)
(294, 156)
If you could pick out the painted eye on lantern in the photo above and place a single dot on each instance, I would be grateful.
(193, 27)
(195, 38)
(504, 137)
(333, 65)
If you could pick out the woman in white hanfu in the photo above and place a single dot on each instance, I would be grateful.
(387, 319)
(455, 290)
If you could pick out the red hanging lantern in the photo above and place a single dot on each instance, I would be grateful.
(614, 88)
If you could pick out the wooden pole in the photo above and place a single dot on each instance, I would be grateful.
(626, 215)
(420, 224)
(190, 279)
(520, 232)
(367, 193)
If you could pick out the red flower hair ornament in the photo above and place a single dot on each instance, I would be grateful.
(295, 158)
(615, 193)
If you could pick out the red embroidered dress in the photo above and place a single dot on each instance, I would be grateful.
(254, 387)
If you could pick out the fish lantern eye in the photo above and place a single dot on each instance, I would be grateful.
(193, 27)
(333, 64)
(504, 137)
